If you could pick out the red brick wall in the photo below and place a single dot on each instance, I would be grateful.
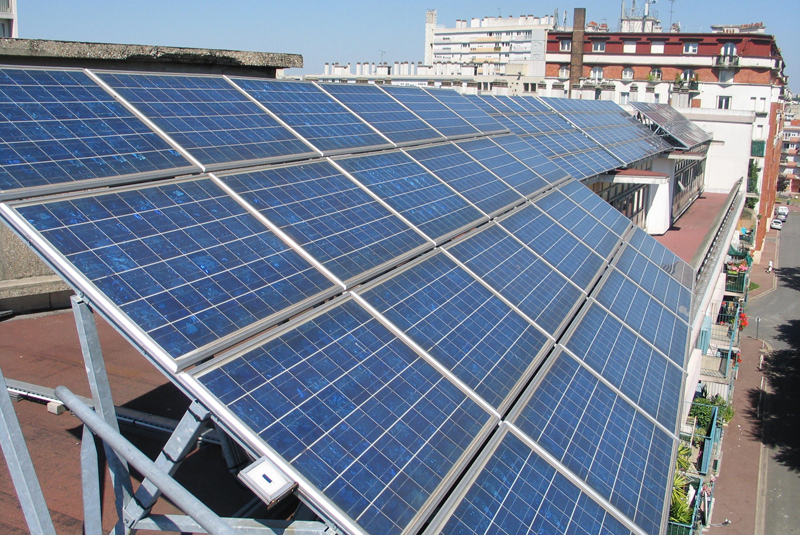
(769, 183)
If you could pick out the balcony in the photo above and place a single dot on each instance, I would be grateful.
(737, 274)
(788, 163)
(790, 152)
(726, 61)
(5, 6)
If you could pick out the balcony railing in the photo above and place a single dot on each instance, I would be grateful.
(726, 61)
(737, 281)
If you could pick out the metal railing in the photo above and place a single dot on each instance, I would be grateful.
(726, 61)
(737, 281)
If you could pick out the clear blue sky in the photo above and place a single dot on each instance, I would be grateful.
(352, 30)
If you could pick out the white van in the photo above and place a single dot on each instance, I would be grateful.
(783, 210)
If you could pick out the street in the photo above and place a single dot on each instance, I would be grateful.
(780, 326)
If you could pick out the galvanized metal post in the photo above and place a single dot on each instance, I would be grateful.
(179, 445)
(103, 401)
(21, 468)
(171, 488)
(90, 483)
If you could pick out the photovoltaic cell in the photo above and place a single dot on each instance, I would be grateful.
(519, 276)
(59, 128)
(467, 110)
(184, 261)
(501, 163)
(552, 242)
(593, 204)
(517, 492)
(313, 114)
(487, 345)
(332, 218)
(466, 176)
(355, 411)
(627, 362)
(416, 194)
(663, 257)
(431, 111)
(602, 439)
(656, 282)
(384, 113)
(684, 131)
(652, 320)
(578, 221)
(531, 157)
(208, 117)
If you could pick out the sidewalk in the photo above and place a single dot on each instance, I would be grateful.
(767, 282)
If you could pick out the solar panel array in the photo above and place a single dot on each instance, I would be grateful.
(421, 309)
(672, 123)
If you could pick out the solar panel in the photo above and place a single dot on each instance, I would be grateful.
(520, 276)
(531, 157)
(626, 361)
(545, 237)
(337, 222)
(463, 325)
(467, 110)
(466, 176)
(501, 163)
(596, 206)
(354, 413)
(413, 192)
(430, 110)
(667, 290)
(578, 221)
(384, 113)
(58, 129)
(649, 318)
(663, 257)
(684, 131)
(515, 490)
(601, 438)
(185, 262)
(209, 118)
(313, 114)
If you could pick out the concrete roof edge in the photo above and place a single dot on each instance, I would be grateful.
(43, 48)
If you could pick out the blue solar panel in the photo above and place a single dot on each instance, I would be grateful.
(531, 157)
(472, 332)
(578, 221)
(468, 177)
(183, 260)
(430, 110)
(627, 362)
(553, 243)
(384, 113)
(517, 492)
(602, 439)
(652, 320)
(332, 218)
(467, 110)
(208, 117)
(512, 171)
(519, 276)
(416, 194)
(656, 282)
(356, 412)
(596, 206)
(313, 114)
(663, 257)
(58, 128)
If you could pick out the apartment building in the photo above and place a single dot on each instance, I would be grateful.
(789, 156)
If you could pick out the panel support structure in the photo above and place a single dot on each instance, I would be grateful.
(20, 466)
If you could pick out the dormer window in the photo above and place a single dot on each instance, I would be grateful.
(598, 46)
(690, 48)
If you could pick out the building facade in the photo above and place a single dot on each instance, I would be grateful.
(8, 19)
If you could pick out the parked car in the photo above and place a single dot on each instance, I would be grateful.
(777, 224)
(781, 216)
(783, 210)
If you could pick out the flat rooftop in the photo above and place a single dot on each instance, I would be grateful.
(685, 236)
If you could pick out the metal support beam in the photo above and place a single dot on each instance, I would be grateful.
(90, 483)
(173, 490)
(20, 466)
(243, 526)
(103, 402)
(179, 445)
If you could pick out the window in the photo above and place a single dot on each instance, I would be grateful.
(597, 73)
(688, 75)
(690, 48)
(656, 98)
(563, 72)
(623, 98)
(726, 76)
(728, 49)
(565, 45)
(723, 102)
(629, 47)
(655, 75)
(657, 47)
(627, 73)
(598, 46)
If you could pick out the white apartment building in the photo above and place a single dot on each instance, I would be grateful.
(8, 19)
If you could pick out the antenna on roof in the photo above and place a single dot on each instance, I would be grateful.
(383, 53)
(671, 8)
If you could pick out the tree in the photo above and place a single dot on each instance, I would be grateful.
(783, 183)
(752, 177)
